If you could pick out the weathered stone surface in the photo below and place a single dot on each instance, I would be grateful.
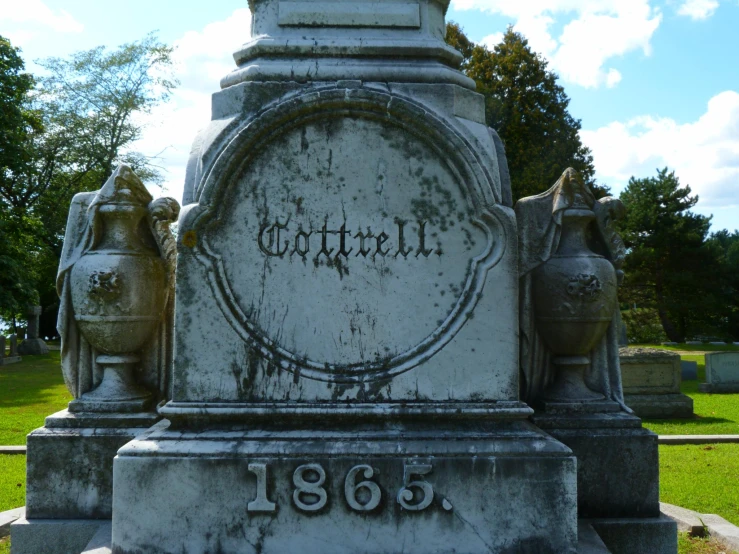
(651, 380)
(657, 535)
(722, 372)
(660, 406)
(516, 493)
(617, 468)
(51, 536)
(650, 371)
(589, 542)
(70, 465)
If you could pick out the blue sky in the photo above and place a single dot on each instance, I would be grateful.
(655, 82)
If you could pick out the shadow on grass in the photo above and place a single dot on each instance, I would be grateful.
(695, 421)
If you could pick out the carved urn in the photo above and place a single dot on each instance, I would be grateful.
(118, 293)
(575, 296)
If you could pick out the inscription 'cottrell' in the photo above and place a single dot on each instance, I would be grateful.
(277, 239)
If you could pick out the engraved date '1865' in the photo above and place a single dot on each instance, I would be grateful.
(361, 492)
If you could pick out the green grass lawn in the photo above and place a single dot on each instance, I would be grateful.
(703, 478)
(29, 391)
(12, 481)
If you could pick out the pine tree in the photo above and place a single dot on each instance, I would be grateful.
(529, 110)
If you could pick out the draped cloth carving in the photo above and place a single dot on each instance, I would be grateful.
(540, 227)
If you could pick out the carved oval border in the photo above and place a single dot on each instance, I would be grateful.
(256, 134)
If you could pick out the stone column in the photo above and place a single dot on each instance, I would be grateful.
(33, 344)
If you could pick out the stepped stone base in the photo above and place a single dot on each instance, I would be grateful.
(498, 488)
(617, 462)
(70, 463)
(660, 406)
(33, 347)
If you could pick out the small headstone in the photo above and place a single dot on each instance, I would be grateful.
(722, 372)
(689, 370)
(651, 381)
(669, 344)
(694, 343)
(13, 345)
(33, 344)
(717, 343)
(12, 357)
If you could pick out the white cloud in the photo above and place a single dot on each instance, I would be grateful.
(491, 40)
(202, 58)
(24, 20)
(698, 9)
(598, 31)
(704, 153)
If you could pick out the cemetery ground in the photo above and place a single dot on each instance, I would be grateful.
(703, 478)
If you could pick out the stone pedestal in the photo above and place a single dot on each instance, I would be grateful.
(70, 463)
(722, 372)
(33, 344)
(617, 475)
(651, 382)
(405, 488)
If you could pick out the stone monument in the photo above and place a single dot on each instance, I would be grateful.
(33, 344)
(346, 374)
(651, 380)
(722, 372)
(115, 282)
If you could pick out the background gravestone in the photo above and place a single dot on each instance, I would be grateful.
(722, 372)
(33, 344)
(651, 381)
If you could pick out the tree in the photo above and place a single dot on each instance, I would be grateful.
(86, 106)
(727, 277)
(18, 122)
(670, 267)
(529, 110)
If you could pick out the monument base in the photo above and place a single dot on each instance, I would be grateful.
(70, 463)
(654, 535)
(715, 388)
(9, 360)
(617, 462)
(660, 406)
(33, 347)
(53, 536)
(392, 488)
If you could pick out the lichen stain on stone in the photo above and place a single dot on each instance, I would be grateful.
(190, 239)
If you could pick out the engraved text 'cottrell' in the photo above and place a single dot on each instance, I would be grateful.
(279, 239)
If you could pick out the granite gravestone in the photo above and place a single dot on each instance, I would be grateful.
(349, 253)
(651, 381)
(722, 372)
(33, 344)
(11, 358)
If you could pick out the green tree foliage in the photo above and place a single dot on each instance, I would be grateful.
(671, 267)
(18, 123)
(86, 107)
(529, 110)
(727, 247)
